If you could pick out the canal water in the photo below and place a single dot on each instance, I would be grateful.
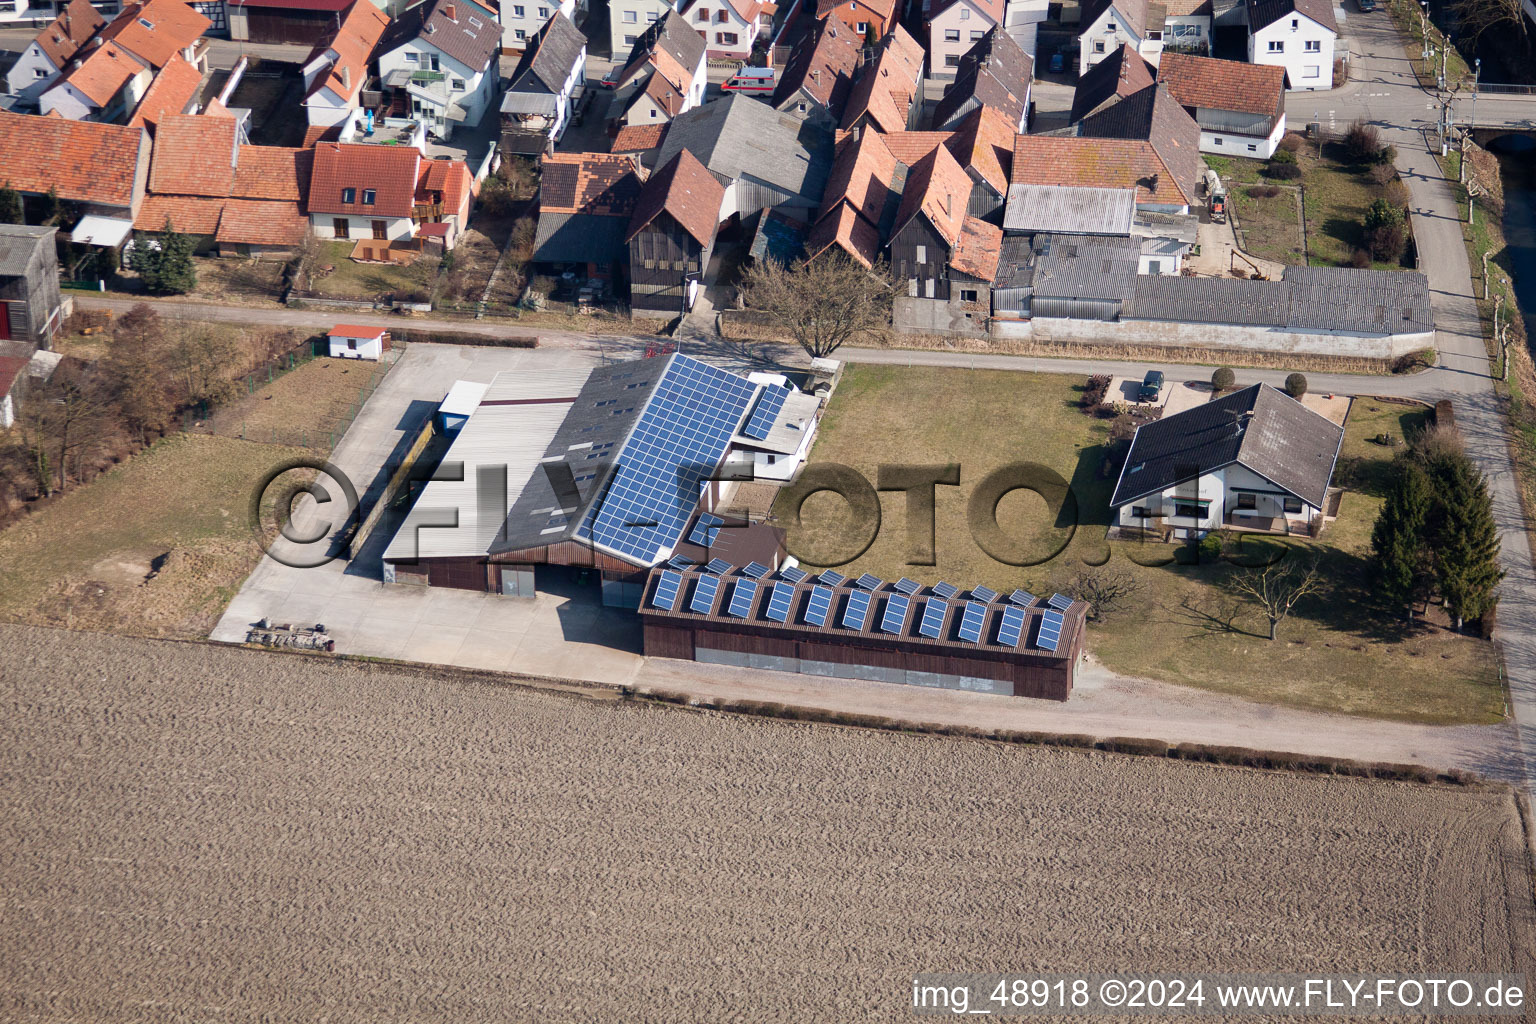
(1517, 165)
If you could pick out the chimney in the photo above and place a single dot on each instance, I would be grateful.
(346, 78)
(816, 75)
(66, 22)
(451, 12)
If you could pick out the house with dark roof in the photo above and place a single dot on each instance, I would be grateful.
(1256, 459)
(1154, 118)
(285, 21)
(1122, 73)
(30, 305)
(817, 79)
(537, 104)
(887, 94)
(1297, 35)
(1147, 26)
(993, 73)
(46, 57)
(942, 259)
(671, 235)
(862, 199)
(439, 64)
(665, 74)
(519, 22)
(762, 158)
(730, 27)
(103, 167)
(586, 201)
(1239, 107)
(336, 70)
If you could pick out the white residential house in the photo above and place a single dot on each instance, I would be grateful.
(45, 58)
(438, 63)
(337, 69)
(628, 20)
(105, 86)
(955, 27)
(362, 191)
(1147, 26)
(1256, 459)
(539, 97)
(666, 74)
(1239, 107)
(1297, 35)
(521, 21)
(729, 27)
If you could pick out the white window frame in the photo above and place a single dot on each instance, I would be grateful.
(630, 18)
(1312, 71)
(1276, 46)
(1312, 46)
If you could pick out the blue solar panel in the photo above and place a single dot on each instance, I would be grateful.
(1012, 627)
(906, 586)
(973, 620)
(869, 582)
(677, 442)
(933, 618)
(704, 590)
(789, 572)
(667, 585)
(946, 590)
(718, 566)
(1061, 602)
(681, 562)
(856, 611)
(768, 406)
(754, 570)
(832, 579)
(741, 598)
(705, 530)
(1022, 598)
(820, 603)
(1049, 636)
(986, 594)
(778, 604)
(895, 613)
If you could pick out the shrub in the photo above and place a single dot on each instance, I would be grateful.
(1360, 259)
(1388, 242)
(1105, 411)
(1263, 191)
(1386, 156)
(1487, 622)
(1396, 192)
(1420, 359)
(1282, 172)
(1223, 379)
(1445, 413)
(1284, 156)
(1098, 387)
(1296, 385)
(1291, 143)
(1123, 428)
(1380, 174)
(1210, 547)
(1362, 142)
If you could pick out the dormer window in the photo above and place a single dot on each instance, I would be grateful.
(475, 23)
(965, 14)
(151, 27)
(369, 195)
(349, 195)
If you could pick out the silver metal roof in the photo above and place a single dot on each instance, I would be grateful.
(1070, 210)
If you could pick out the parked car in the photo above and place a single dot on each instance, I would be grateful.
(1059, 63)
(1151, 386)
(1366, 6)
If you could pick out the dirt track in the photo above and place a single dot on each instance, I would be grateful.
(212, 834)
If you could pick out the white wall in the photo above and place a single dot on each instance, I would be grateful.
(520, 21)
(641, 13)
(397, 228)
(1212, 336)
(1218, 488)
(24, 80)
(367, 348)
(479, 85)
(7, 413)
(969, 23)
(1305, 70)
(68, 101)
(746, 33)
(1089, 50)
(1251, 146)
(22, 13)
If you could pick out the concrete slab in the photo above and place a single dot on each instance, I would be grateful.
(1333, 406)
(1184, 396)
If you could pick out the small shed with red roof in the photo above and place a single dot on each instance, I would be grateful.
(357, 341)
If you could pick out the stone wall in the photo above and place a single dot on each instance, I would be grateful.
(1222, 336)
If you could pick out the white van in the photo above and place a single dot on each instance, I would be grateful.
(752, 81)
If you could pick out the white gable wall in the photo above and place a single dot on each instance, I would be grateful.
(521, 20)
(627, 19)
(1102, 38)
(33, 72)
(1255, 147)
(1298, 44)
(951, 33)
(478, 85)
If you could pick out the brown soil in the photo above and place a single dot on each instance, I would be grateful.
(191, 832)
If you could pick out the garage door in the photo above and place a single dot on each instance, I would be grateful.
(457, 575)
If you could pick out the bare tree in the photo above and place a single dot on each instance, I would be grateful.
(1474, 17)
(1105, 587)
(200, 359)
(824, 302)
(64, 420)
(1277, 587)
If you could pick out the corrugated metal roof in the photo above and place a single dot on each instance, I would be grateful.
(1306, 298)
(1070, 209)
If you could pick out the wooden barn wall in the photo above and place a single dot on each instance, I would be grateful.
(567, 553)
(934, 266)
(668, 641)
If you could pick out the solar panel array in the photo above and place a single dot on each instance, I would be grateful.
(718, 566)
(832, 579)
(741, 598)
(1012, 627)
(681, 562)
(679, 439)
(704, 590)
(789, 572)
(705, 529)
(667, 585)
(907, 586)
(895, 613)
(986, 594)
(972, 621)
(1022, 598)
(768, 406)
(869, 581)
(933, 618)
(778, 604)
(1061, 602)
(946, 590)
(856, 611)
(817, 607)
(1049, 636)
(754, 570)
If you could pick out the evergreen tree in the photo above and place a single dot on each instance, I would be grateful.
(50, 211)
(166, 268)
(10, 205)
(1399, 541)
(1466, 542)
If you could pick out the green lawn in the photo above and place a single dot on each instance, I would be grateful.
(353, 280)
(1337, 653)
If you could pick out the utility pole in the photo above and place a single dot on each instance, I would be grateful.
(1477, 73)
(1485, 285)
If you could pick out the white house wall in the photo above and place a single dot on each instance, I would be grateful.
(68, 101)
(1098, 40)
(1305, 70)
(32, 73)
(1254, 147)
(397, 229)
(521, 21)
(965, 22)
(479, 87)
(746, 32)
(627, 19)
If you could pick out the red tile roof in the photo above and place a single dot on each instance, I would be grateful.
(448, 182)
(602, 184)
(68, 32)
(390, 171)
(822, 64)
(882, 8)
(1096, 163)
(863, 176)
(172, 26)
(194, 155)
(353, 44)
(321, 133)
(977, 252)
(189, 215)
(170, 93)
(1223, 84)
(939, 188)
(848, 231)
(911, 147)
(885, 89)
(272, 172)
(1117, 76)
(983, 143)
(255, 222)
(685, 189)
(355, 331)
(637, 138)
(101, 73)
(85, 161)
(10, 369)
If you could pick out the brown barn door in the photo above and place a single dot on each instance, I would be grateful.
(5, 321)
